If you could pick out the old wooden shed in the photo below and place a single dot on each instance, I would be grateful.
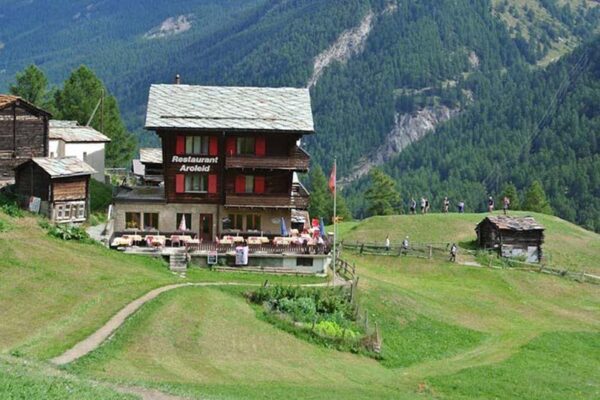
(512, 236)
(23, 134)
(55, 187)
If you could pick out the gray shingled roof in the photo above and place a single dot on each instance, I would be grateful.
(229, 108)
(151, 155)
(63, 167)
(72, 132)
(515, 223)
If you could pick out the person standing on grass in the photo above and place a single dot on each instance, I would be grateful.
(387, 243)
(413, 206)
(423, 203)
(505, 204)
(453, 251)
(461, 207)
(446, 205)
(405, 245)
(490, 204)
(427, 206)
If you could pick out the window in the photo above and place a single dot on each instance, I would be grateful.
(304, 262)
(132, 220)
(196, 183)
(245, 145)
(81, 211)
(188, 221)
(249, 184)
(150, 221)
(253, 222)
(196, 144)
(70, 211)
(236, 221)
(59, 212)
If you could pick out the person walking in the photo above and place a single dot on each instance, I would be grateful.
(505, 204)
(490, 204)
(405, 245)
(387, 243)
(423, 203)
(427, 206)
(413, 206)
(446, 205)
(461, 207)
(453, 251)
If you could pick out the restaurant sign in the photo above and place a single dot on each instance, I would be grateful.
(200, 164)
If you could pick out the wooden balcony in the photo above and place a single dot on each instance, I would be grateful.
(297, 161)
(297, 200)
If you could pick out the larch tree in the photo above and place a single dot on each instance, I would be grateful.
(80, 96)
(535, 199)
(32, 85)
(510, 191)
(382, 197)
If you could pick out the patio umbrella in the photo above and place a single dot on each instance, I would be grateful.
(322, 228)
(284, 231)
(182, 224)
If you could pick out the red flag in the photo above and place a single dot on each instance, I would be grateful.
(332, 179)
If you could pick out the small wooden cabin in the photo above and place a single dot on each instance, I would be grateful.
(55, 187)
(23, 134)
(149, 168)
(512, 236)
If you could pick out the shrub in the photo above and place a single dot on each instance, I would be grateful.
(66, 232)
(12, 209)
(301, 309)
(333, 330)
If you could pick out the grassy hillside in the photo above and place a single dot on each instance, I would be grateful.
(445, 327)
(54, 293)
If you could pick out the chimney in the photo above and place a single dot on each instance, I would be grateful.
(177, 79)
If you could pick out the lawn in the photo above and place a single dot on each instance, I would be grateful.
(54, 294)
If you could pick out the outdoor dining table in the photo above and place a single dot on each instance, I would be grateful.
(122, 241)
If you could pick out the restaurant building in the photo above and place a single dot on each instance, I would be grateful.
(230, 158)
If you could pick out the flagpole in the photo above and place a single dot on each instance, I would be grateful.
(334, 219)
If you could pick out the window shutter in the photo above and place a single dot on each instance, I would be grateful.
(240, 184)
(259, 184)
(179, 183)
(212, 183)
(213, 146)
(231, 146)
(180, 145)
(261, 146)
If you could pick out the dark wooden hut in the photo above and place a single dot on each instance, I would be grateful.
(55, 187)
(23, 134)
(512, 236)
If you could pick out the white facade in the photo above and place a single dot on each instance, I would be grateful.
(92, 153)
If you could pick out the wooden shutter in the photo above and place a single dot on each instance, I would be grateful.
(212, 183)
(179, 183)
(213, 146)
(231, 146)
(240, 184)
(180, 145)
(260, 146)
(259, 184)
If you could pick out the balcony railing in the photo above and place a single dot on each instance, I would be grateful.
(298, 160)
(298, 199)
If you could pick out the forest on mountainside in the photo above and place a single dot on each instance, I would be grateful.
(525, 125)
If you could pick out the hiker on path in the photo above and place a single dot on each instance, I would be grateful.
(461, 207)
(423, 204)
(453, 251)
(446, 205)
(505, 204)
(405, 245)
(413, 206)
(490, 204)
(387, 243)
(427, 205)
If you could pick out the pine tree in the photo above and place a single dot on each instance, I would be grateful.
(382, 197)
(535, 199)
(343, 211)
(510, 191)
(32, 85)
(77, 100)
(319, 194)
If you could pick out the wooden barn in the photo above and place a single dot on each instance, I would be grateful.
(55, 187)
(23, 134)
(512, 236)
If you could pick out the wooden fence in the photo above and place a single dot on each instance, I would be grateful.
(345, 269)
(261, 248)
(423, 250)
(580, 276)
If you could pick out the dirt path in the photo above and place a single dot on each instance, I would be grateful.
(93, 341)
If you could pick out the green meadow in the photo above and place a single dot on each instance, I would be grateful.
(450, 331)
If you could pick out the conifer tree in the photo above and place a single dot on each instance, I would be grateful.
(382, 197)
(535, 199)
(510, 191)
(77, 100)
(319, 193)
(32, 85)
